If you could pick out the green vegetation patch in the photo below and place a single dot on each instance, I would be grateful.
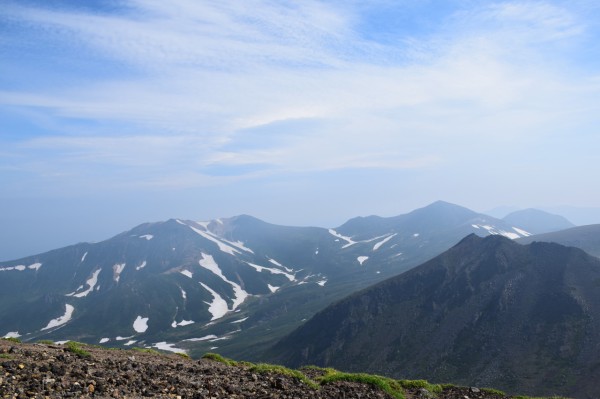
(12, 339)
(45, 342)
(388, 385)
(539, 397)
(5, 356)
(75, 347)
(493, 391)
(144, 350)
(433, 388)
(218, 358)
(264, 368)
(183, 355)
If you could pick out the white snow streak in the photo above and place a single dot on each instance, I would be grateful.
(141, 266)
(91, 282)
(218, 306)
(380, 243)
(140, 324)
(131, 342)
(35, 266)
(62, 319)
(104, 340)
(186, 273)
(83, 257)
(494, 231)
(222, 246)
(208, 262)
(183, 293)
(240, 320)
(287, 269)
(522, 232)
(205, 338)
(416, 235)
(117, 270)
(259, 269)
(167, 347)
(338, 235)
(322, 283)
(362, 259)
(182, 323)
(147, 236)
(272, 288)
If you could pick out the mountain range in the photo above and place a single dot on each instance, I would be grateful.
(488, 312)
(236, 285)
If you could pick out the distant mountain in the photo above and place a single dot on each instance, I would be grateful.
(488, 312)
(236, 285)
(536, 221)
(584, 237)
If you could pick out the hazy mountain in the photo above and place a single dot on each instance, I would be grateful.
(584, 237)
(488, 312)
(235, 284)
(536, 221)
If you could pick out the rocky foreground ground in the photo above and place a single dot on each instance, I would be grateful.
(79, 371)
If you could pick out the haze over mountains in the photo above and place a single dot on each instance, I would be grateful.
(176, 280)
(236, 285)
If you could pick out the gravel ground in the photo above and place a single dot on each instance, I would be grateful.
(52, 371)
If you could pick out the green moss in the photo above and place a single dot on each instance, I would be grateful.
(184, 355)
(144, 350)
(12, 339)
(433, 388)
(218, 358)
(46, 342)
(388, 385)
(5, 356)
(75, 347)
(264, 368)
(493, 391)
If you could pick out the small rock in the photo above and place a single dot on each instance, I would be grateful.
(475, 390)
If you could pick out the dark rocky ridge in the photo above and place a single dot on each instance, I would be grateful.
(491, 312)
(51, 371)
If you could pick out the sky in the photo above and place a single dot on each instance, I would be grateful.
(119, 112)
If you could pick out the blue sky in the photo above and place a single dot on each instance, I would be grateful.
(114, 113)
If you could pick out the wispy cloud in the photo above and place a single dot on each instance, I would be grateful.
(202, 75)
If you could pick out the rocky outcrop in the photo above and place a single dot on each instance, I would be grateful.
(54, 371)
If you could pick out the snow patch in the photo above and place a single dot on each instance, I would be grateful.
(222, 246)
(362, 259)
(104, 340)
(62, 320)
(522, 232)
(91, 283)
(183, 293)
(20, 268)
(83, 257)
(167, 347)
(240, 320)
(272, 288)
(380, 243)
(117, 270)
(182, 323)
(348, 240)
(416, 235)
(205, 338)
(130, 342)
(494, 231)
(287, 269)
(208, 262)
(12, 334)
(218, 307)
(186, 273)
(147, 236)
(322, 283)
(476, 226)
(141, 266)
(119, 338)
(259, 269)
(140, 324)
